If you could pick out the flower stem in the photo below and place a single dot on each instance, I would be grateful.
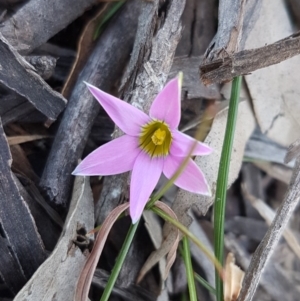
(119, 262)
(191, 236)
(204, 283)
(220, 201)
(189, 269)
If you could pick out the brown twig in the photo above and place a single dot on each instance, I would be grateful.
(247, 61)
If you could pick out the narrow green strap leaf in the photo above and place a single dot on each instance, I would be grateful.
(111, 12)
(220, 201)
(189, 269)
(204, 283)
(119, 262)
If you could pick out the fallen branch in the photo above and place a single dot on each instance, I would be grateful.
(23, 241)
(38, 20)
(102, 69)
(247, 61)
(21, 77)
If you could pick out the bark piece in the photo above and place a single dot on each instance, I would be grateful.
(48, 230)
(230, 22)
(37, 21)
(18, 75)
(14, 107)
(57, 277)
(268, 244)
(262, 148)
(247, 61)
(15, 218)
(191, 87)
(102, 70)
(199, 29)
(44, 65)
(254, 229)
(10, 271)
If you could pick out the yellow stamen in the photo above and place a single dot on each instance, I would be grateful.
(158, 137)
(155, 139)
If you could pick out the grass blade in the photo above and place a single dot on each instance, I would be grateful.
(220, 201)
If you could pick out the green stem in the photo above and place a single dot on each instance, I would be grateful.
(204, 283)
(191, 236)
(109, 14)
(220, 201)
(189, 269)
(119, 262)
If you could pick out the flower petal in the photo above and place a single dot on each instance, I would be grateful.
(182, 144)
(167, 105)
(191, 179)
(127, 117)
(145, 175)
(114, 157)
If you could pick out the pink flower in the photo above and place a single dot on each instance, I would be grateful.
(151, 145)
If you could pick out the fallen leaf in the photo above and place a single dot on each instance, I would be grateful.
(24, 138)
(86, 275)
(233, 279)
(275, 90)
(269, 214)
(85, 46)
(170, 248)
(154, 228)
(57, 277)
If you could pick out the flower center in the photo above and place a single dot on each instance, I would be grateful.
(158, 137)
(155, 139)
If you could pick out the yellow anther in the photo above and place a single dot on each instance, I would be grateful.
(158, 137)
(155, 138)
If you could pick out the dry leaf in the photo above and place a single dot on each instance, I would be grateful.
(85, 46)
(276, 171)
(87, 272)
(198, 256)
(233, 279)
(275, 90)
(268, 214)
(169, 249)
(163, 296)
(154, 228)
(56, 278)
(24, 138)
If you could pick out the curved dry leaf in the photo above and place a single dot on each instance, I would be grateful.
(169, 248)
(85, 46)
(233, 279)
(86, 275)
(56, 278)
(275, 90)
